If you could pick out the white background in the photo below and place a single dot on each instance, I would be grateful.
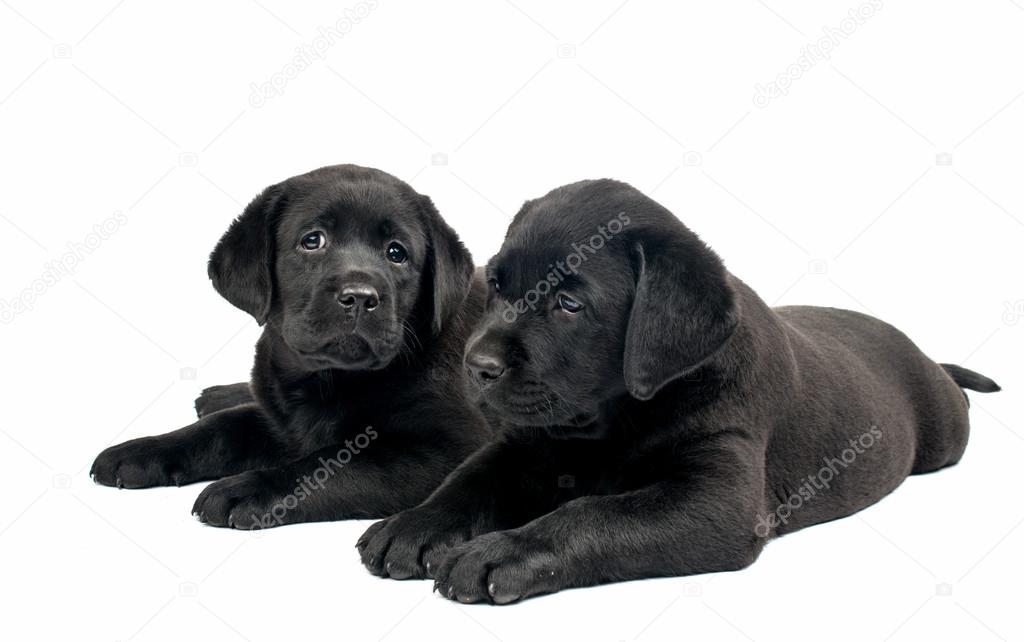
(887, 180)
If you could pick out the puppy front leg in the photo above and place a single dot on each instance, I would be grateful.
(505, 484)
(220, 444)
(370, 475)
(671, 528)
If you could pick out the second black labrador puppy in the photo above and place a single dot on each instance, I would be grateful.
(356, 406)
(660, 419)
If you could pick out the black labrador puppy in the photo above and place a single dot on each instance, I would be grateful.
(357, 406)
(659, 418)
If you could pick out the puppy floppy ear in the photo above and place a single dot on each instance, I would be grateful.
(449, 264)
(683, 312)
(241, 266)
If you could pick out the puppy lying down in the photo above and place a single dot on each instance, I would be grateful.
(356, 406)
(658, 418)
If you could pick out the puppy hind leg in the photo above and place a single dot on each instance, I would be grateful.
(217, 398)
(943, 425)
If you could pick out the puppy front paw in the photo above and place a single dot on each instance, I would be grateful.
(141, 463)
(248, 501)
(501, 568)
(411, 544)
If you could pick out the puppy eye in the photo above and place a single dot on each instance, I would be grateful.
(313, 241)
(569, 304)
(396, 253)
(493, 284)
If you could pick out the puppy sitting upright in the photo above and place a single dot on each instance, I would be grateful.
(658, 414)
(356, 407)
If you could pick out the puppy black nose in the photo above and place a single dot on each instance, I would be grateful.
(486, 368)
(359, 294)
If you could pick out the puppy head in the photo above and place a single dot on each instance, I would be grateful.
(598, 291)
(343, 263)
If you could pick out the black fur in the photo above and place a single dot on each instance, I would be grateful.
(662, 429)
(969, 379)
(356, 406)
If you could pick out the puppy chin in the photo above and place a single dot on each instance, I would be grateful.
(350, 352)
(546, 413)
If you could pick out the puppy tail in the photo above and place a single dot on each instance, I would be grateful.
(970, 379)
